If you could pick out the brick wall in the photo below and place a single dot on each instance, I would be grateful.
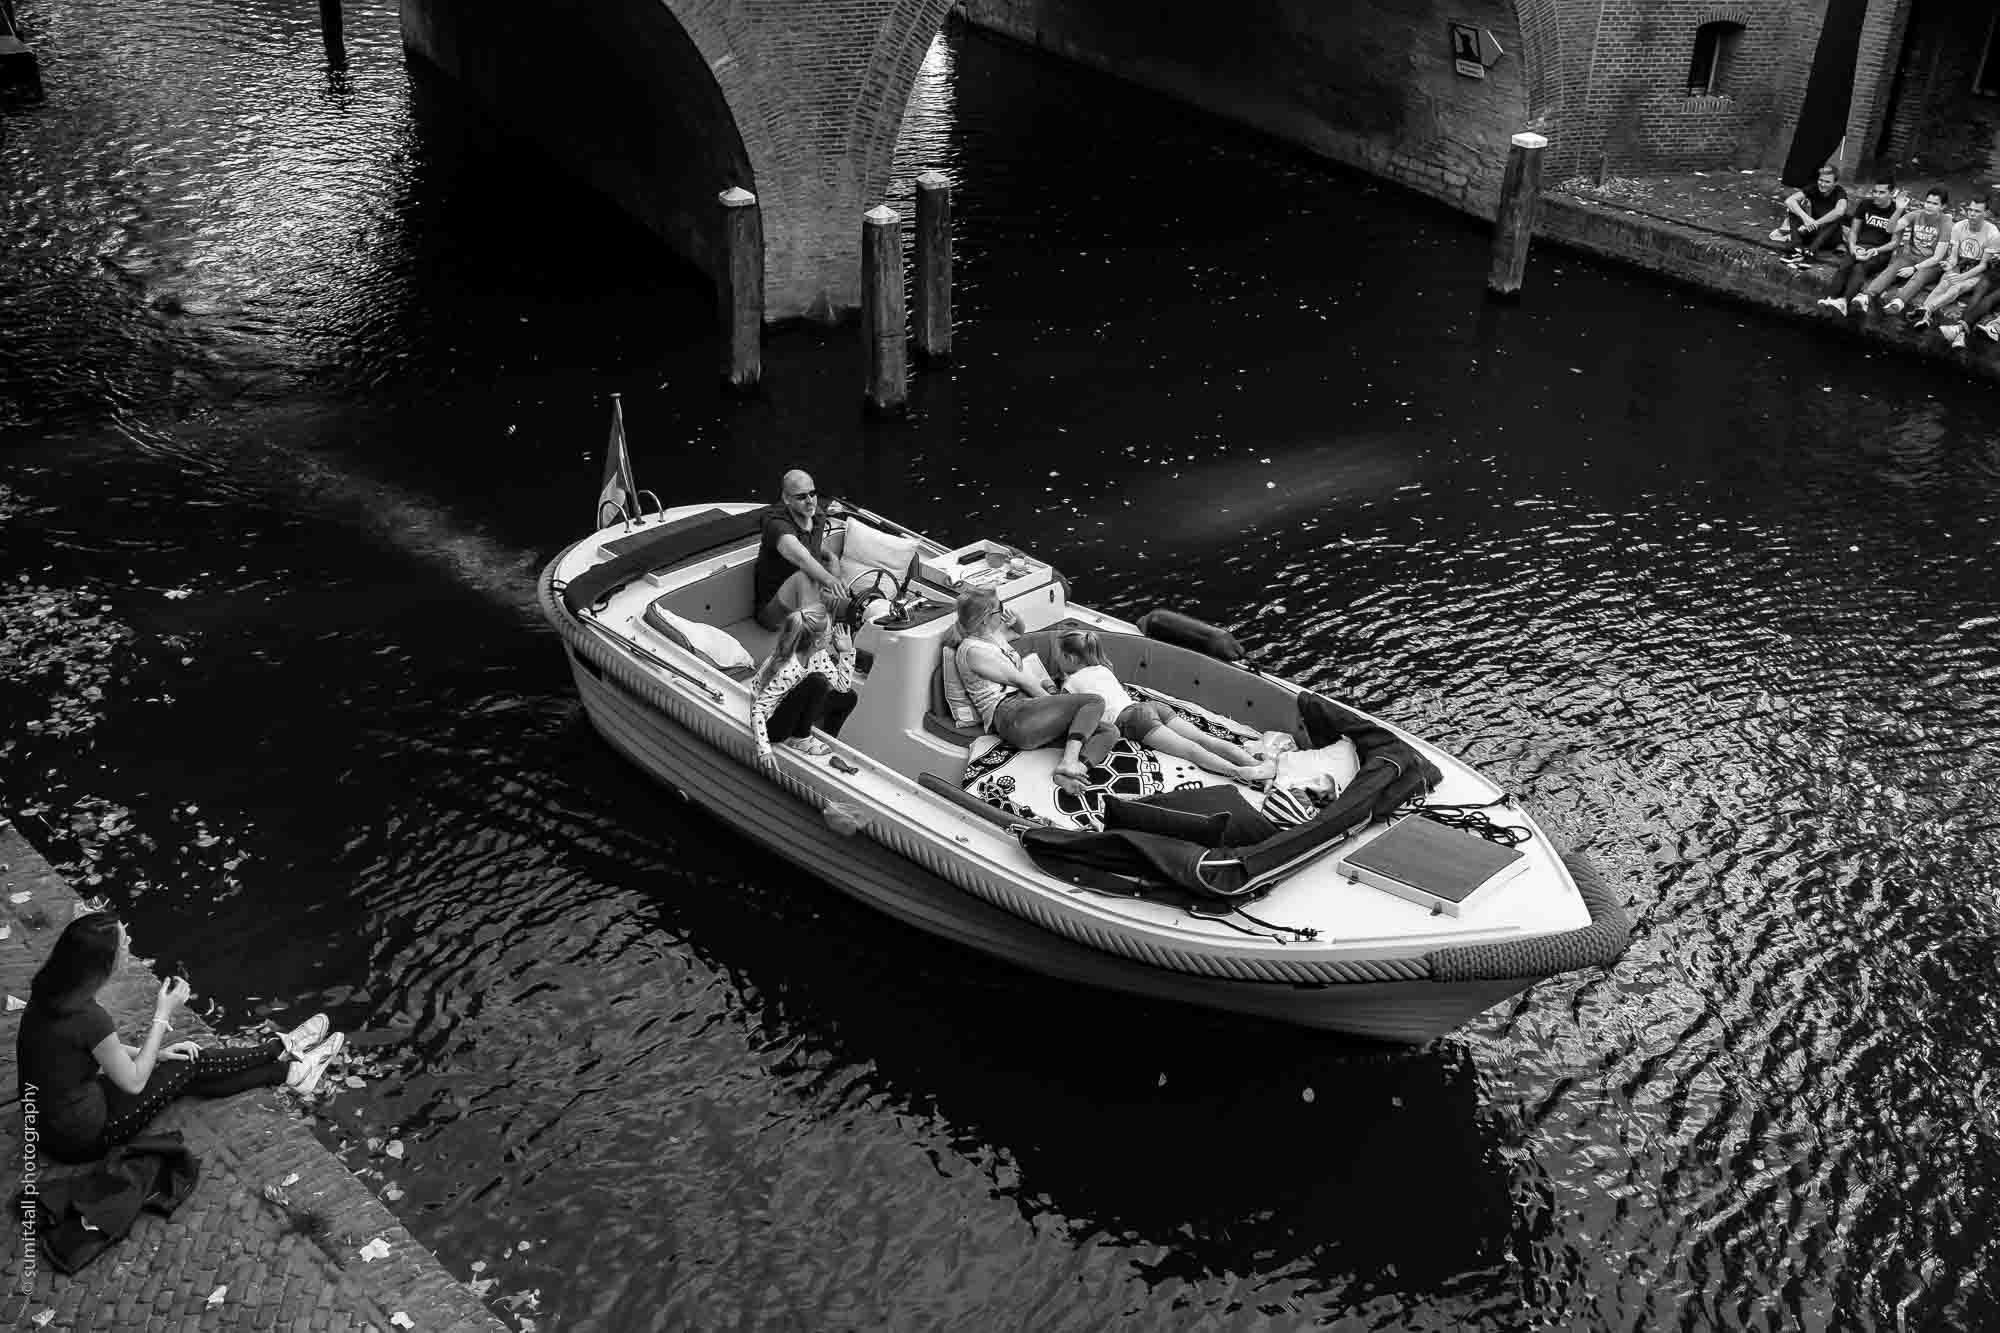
(1626, 84)
(662, 105)
(1367, 82)
(1936, 123)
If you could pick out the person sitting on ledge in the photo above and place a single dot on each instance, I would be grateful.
(1812, 219)
(1924, 238)
(1871, 237)
(1974, 242)
(93, 1091)
(793, 567)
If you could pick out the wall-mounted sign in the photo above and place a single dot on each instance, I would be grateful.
(1465, 51)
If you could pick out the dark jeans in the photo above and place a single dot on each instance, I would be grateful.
(813, 702)
(1813, 240)
(1855, 274)
(1984, 301)
(219, 1071)
(1029, 724)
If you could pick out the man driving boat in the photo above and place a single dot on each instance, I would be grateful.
(793, 567)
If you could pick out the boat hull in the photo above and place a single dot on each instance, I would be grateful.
(1414, 1010)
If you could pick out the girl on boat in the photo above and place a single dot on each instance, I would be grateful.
(806, 682)
(1085, 671)
(93, 1091)
(1014, 704)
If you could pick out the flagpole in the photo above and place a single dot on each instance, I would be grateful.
(618, 489)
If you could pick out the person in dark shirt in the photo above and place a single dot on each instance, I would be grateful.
(91, 1091)
(793, 567)
(1871, 244)
(1812, 219)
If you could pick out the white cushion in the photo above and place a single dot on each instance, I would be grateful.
(718, 645)
(867, 548)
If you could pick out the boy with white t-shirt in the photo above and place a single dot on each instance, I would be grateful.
(1974, 242)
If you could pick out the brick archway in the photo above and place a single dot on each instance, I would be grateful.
(662, 104)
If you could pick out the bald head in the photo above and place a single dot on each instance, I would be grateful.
(799, 496)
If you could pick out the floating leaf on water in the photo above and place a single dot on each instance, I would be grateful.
(375, 1249)
(42, 1317)
(15, 1004)
(392, 1193)
(21, 897)
(216, 1297)
(479, 1265)
(401, 1320)
(290, 1180)
(354, 1082)
(394, 1148)
(1307, 1095)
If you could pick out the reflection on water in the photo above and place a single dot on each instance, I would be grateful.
(303, 374)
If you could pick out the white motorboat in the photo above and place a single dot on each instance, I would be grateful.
(1277, 928)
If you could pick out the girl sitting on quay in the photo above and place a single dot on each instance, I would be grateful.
(1086, 671)
(93, 1091)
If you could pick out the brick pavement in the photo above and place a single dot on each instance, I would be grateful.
(300, 1270)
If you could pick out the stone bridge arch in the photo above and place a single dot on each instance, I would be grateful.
(662, 104)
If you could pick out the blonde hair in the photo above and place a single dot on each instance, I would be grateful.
(803, 634)
(1082, 645)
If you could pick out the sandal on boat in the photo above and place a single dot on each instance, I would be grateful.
(810, 745)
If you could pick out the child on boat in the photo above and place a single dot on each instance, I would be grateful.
(1081, 654)
(807, 681)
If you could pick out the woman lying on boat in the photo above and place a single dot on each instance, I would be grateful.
(806, 682)
(1085, 671)
(1014, 704)
(95, 1092)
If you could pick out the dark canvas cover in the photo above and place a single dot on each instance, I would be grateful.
(1153, 865)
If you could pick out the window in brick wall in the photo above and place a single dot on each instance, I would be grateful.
(1714, 51)
(1987, 81)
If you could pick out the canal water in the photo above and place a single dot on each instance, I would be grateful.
(303, 374)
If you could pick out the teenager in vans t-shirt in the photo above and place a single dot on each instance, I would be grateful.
(1871, 244)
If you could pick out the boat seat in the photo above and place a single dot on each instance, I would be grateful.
(671, 632)
(938, 720)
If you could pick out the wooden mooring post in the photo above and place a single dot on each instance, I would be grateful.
(884, 318)
(933, 313)
(333, 29)
(740, 284)
(1520, 189)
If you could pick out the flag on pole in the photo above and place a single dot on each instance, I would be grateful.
(618, 484)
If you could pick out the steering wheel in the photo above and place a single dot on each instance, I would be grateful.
(867, 585)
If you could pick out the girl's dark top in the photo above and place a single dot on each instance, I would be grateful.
(59, 1072)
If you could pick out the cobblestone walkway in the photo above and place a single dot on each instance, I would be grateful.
(230, 1257)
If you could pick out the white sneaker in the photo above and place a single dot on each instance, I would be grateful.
(1780, 234)
(1834, 303)
(1955, 335)
(1859, 305)
(305, 1074)
(1991, 328)
(306, 1035)
(1895, 306)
